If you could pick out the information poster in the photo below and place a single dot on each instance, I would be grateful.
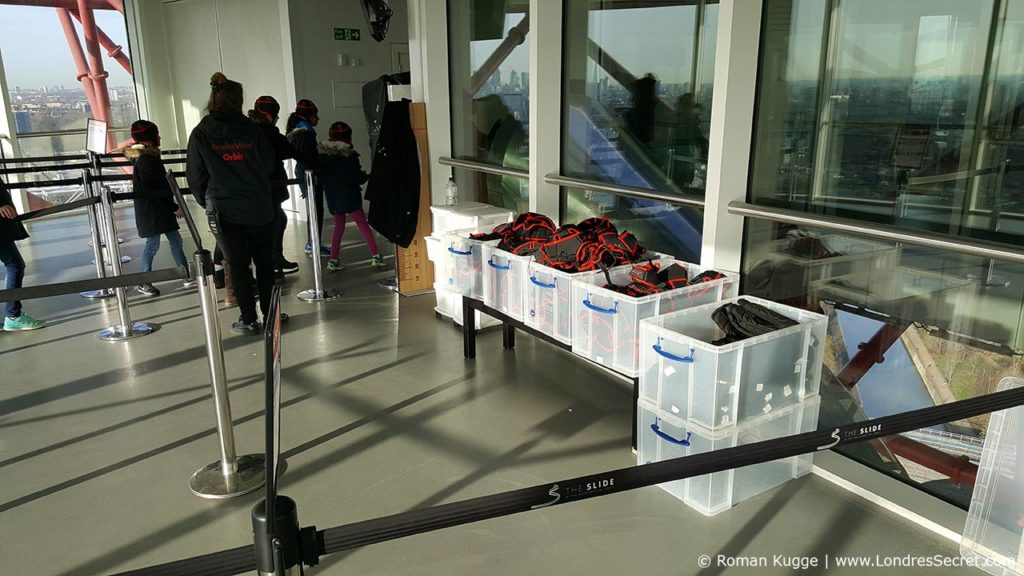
(96, 136)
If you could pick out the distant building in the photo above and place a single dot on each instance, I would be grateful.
(22, 122)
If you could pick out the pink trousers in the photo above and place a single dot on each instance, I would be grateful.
(359, 217)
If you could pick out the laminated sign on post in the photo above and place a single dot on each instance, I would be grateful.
(347, 34)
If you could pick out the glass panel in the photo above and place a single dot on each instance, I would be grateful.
(662, 227)
(638, 86)
(490, 88)
(50, 98)
(872, 109)
(909, 328)
(904, 113)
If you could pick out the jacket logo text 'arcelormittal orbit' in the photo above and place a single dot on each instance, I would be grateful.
(233, 157)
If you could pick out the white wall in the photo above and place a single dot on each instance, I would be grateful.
(335, 89)
(183, 42)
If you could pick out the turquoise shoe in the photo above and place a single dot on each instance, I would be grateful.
(22, 323)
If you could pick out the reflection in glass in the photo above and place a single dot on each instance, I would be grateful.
(638, 81)
(490, 86)
(909, 328)
(661, 227)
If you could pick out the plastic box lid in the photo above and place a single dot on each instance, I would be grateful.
(994, 534)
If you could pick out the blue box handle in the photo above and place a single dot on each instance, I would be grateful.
(459, 252)
(684, 359)
(490, 262)
(667, 438)
(543, 285)
(595, 308)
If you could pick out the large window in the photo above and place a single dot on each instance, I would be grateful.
(490, 88)
(904, 113)
(638, 83)
(50, 99)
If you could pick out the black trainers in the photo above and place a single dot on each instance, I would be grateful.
(148, 290)
(278, 275)
(288, 267)
(248, 329)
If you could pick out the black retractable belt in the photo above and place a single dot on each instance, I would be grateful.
(347, 537)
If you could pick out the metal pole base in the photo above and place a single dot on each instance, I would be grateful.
(124, 260)
(314, 296)
(119, 241)
(98, 294)
(210, 481)
(119, 334)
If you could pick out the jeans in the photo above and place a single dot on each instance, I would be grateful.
(15, 264)
(242, 245)
(153, 246)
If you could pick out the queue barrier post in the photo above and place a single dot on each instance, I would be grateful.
(126, 330)
(94, 229)
(231, 475)
(318, 293)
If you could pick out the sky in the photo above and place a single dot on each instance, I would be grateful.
(35, 52)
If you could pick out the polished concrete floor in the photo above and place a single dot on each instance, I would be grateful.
(381, 415)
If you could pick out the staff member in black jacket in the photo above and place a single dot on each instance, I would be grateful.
(10, 232)
(229, 166)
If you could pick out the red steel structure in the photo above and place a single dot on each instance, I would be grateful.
(89, 61)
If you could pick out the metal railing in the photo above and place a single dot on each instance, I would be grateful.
(486, 168)
(883, 232)
(630, 191)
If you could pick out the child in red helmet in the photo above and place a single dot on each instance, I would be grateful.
(156, 213)
(342, 177)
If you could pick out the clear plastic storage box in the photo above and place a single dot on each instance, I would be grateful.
(467, 215)
(505, 278)
(463, 262)
(994, 533)
(840, 255)
(449, 302)
(606, 324)
(548, 301)
(902, 292)
(664, 436)
(682, 373)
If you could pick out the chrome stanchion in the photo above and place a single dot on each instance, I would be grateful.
(107, 241)
(94, 229)
(126, 330)
(318, 293)
(231, 475)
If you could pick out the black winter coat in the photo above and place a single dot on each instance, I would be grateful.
(394, 188)
(230, 162)
(10, 230)
(154, 211)
(303, 138)
(341, 176)
(283, 150)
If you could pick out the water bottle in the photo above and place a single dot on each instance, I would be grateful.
(451, 192)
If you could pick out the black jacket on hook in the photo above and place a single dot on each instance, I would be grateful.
(394, 187)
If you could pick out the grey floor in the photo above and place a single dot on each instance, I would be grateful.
(381, 415)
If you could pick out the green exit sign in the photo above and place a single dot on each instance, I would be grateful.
(347, 34)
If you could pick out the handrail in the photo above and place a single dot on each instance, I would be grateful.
(630, 191)
(481, 167)
(175, 152)
(954, 176)
(883, 232)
